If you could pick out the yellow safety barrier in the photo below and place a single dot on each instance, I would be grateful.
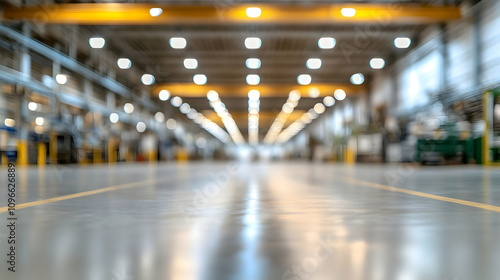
(22, 152)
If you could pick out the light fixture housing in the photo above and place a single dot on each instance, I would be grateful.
(326, 43)
(377, 63)
(253, 43)
(253, 63)
(148, 79)
(178, 42)
(190, 63)
(124, 63)
(253, 79)
(313, 63)
(200, 79)
(97, 42)
(402, 42)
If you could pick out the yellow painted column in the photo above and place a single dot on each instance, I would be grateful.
(486, 134)
(4, 160)
(130, 156)
(152, 156)
(42, 154)
(22, 152)
(111, 151)
(53, 148)
(97, 156)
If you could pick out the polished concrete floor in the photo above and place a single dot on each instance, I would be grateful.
(260, 221)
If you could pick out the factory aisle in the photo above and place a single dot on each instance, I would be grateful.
(243, 221)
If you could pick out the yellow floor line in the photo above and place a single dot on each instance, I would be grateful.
(76, 195)
(426, 195)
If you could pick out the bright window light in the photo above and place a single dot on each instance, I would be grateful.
(159, 117)
(171, 124)
(253, 63)
(61, 79)
(357, 79)
(32, 106)
(402, 42)
(254, 94)
(313, 63)
(326, 43)
(148, 79)
(348, 12)
(176, 101)
(253, 43)
(319, 108)
(164, 95)
(253, 12)
(178, 42)
(39, 121)
(124, 63)
(114, 118)
(212, 95)
(97, 42)
(128, 108)
(141, 127)
(339, 94)
(329, 101)
(304, 79)
(200, 79)
(377, 63)
(190, 63)
(9, 122)
(154, 12)
(253, 79)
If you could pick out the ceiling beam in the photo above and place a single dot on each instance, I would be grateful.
(266, 90)
(138, 14)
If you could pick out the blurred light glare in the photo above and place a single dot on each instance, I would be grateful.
(128, 108)
(253, 43)
(154, 12)
(200, 79)
(402, 42)
(9, 122)
(178, 42)
(148, 79)
(114, 118)
(164, 95)
(253, 79)
(313, 92)
(61, 79)
(32, 106)
(253, 63)
(329, 101)
(326, 43)
(253, 12)
(212, 95)
(304, 79)
(171, 124)
(141, 127)
(190, 63)
(348, 12)
(294, 95)
(97, 42)
(313, 63)
(287, 108)
(201, 143)
(176, 101)
(39, 121)
(192, 114)
(319, 108)
(185, 108)
(339, 94)
(254, 94)
(377, 63)
(124, 63)
(357, 79)
(159, 117)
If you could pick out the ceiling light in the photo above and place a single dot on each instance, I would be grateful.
(171, 124)
(61, 79)
(402, 42)
(200, 79)
(148, 79)
(159, 117)
(190, 63)
(9, 122)
(339, 94)
(329, 101)
(313, 63)
(97, 42)
(128, 108)
(253, 12)
(39, 121)
(178, 42)
(348, 12)
(254, 94)
(357, 79)
(124, 63)
(212, 95)
(164, 95)
(32, 106)
(154, 12)
(141, 127)
(326, 43)
(185, 108)
(253, 79)
(304, 79)
(253, 43)
(377, 63)
(253, 63)
(287, 108)
(319, 108)
(114, 118)
(192, 114)
(176, 101)
(313, 92)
